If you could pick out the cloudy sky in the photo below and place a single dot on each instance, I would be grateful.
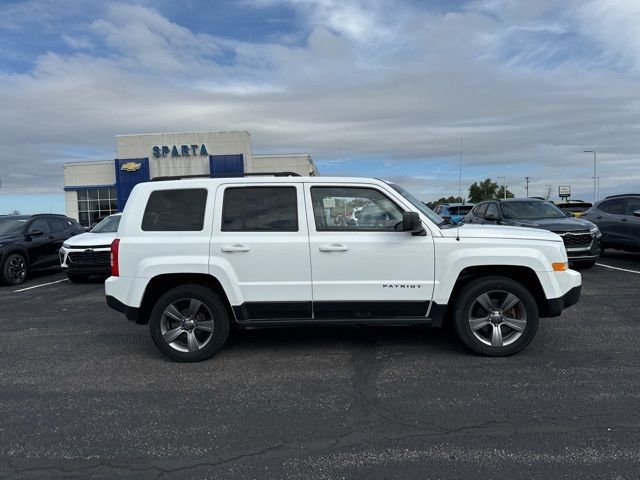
(376, 88)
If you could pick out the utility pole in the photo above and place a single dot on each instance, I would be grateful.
(527, 186)
(460, 172)
(595, 178)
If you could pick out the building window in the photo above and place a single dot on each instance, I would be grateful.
(95, 204)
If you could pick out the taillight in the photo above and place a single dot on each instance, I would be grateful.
(115, 266)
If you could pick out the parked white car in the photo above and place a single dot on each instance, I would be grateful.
(195, 256)
(89, 253)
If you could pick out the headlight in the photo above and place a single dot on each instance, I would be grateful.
(64, 245)
(595, 232)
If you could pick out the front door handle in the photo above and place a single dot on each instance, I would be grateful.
(623, 220)
(236, 247)
(334, 247)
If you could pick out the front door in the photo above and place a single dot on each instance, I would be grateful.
(364, 268)
(260, 234)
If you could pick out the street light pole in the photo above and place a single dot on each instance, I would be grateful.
(595, 192)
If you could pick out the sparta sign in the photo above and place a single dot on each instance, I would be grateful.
(180, 150)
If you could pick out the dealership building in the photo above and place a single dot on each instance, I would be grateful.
(98, 188)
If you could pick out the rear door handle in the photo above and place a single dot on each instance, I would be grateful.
(623, 220)
(334, 247)
(234, 248)
(599, 217)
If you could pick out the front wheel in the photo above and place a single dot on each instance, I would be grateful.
(189, 323)
(14, 269)
(495, 316)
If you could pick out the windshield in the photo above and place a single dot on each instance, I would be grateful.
(108, 225)
(531, 210)
(11, 226)
(431, 215)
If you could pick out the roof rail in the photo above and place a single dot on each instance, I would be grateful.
(622, 195)
(226, 175)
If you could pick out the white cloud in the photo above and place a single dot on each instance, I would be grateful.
(401, 85)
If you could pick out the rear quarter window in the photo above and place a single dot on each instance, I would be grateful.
(175, 210)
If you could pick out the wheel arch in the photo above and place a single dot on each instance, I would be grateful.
(161, 284)
(15, 249)
(521, 274)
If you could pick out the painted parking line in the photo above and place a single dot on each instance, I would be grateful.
(617, 268)
(42, 285)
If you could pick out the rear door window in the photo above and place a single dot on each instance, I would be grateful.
(614, 207)
(57, 225)
(632, 205)
(40, 224)
(260, 209)
(480, 210)
(175, 210)
(492, 209)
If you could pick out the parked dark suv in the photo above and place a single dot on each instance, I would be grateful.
(618, 218)
(31, 242)
(581, 237)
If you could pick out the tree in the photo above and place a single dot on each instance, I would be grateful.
(15, 212)
(450, 199)
(500, 193)
(486, 190)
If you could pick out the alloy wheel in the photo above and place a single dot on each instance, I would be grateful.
(497, 318)
(17, 269)
(187, 325)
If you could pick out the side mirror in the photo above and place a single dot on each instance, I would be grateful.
(35, 233)
(636, 213)
(411, 223)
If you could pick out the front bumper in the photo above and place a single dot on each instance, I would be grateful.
(556, 305)
(590, 252)
(91, 261)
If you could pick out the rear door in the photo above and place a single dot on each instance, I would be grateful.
(610, 222)
(631, 229)
(367, 269)
(260, 233)
(60, 228)
(40, 247)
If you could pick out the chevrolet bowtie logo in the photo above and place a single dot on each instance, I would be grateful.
(88, 250)
(130, 166)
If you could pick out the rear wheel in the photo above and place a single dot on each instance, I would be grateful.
(495, 316)
(189, 323)
(14, 269)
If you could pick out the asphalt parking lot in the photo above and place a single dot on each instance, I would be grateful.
(86, 394)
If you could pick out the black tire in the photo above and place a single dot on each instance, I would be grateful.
(584, 264)
(468, 307)
(211, 305)
(77, 277)
(14, 269)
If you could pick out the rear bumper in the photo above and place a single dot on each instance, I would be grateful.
(132, 314)
(556, 305)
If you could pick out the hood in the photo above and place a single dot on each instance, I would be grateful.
(554, 224)
(91, 239)
(9, 238)
(472, 230)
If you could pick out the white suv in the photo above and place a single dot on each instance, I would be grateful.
(194, 257)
